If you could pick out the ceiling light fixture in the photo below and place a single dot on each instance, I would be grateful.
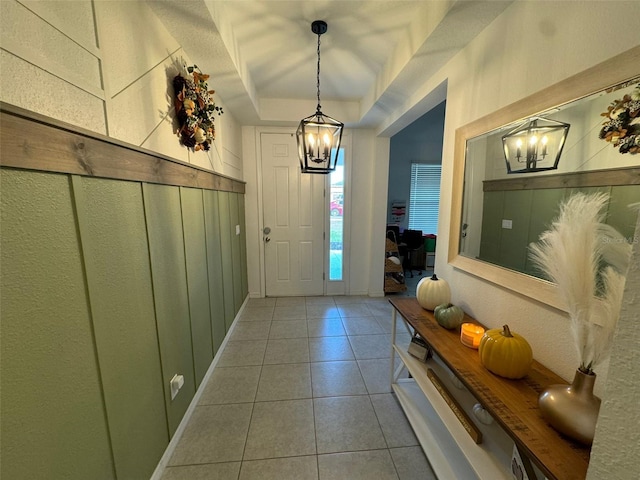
(319, 135)
(537, 143)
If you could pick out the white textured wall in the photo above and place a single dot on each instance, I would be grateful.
(533, 45)
(363, 172)
(502, 65)
(616, 446)
(49, 62)
(111, 75)
(253, 189)
(376, 234)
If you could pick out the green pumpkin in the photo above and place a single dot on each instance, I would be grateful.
(449, 316)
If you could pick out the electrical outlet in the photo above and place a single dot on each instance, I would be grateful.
(176, 384)
(507, 224)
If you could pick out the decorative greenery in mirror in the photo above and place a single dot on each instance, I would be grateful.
(513, 167)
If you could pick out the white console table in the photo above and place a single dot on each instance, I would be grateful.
(451, 450)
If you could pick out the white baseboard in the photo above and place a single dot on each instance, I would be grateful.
(377, 294)
(164, 461)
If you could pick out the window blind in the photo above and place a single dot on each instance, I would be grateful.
(424, 197)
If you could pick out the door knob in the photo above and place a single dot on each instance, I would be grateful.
(267, 240)
(266, 230)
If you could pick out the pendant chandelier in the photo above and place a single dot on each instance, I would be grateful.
(535, 145)
(319, 135)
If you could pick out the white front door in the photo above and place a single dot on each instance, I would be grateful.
(293, 215)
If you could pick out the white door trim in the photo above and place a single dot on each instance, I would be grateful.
(342, 287)
(347, 142)
(258, 152)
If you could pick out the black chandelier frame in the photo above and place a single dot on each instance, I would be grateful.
(318, 135)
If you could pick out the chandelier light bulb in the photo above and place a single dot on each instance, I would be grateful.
(310, 146)
(327, 143)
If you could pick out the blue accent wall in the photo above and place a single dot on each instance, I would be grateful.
(420, 142)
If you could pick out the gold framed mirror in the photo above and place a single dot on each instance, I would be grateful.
(607, 76)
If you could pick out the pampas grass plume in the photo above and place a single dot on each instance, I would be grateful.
(588, 261)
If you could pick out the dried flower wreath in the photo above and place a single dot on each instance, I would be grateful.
(622, 125)
(195, 109)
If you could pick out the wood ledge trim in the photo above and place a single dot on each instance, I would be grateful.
(593, 178)
(34, 142)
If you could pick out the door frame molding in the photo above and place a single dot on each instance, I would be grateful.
(347, 143)
(341, 287)
(259, 191)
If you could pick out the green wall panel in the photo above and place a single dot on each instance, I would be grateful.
(227, 257)
(492, 208)
(533, 211)
(243, 247)
(544, 207)
(114, 242)
(517, 206)
(620, 216)
(587, 190)
(197, 279)
(166, 248)
(236, 256)
(53, 421)
(214, 266)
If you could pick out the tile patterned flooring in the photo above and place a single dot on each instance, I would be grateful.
(302, 391)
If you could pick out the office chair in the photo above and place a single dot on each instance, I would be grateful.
(414, 242)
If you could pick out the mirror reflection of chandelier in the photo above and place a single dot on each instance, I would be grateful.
(319, 135)
(535, 145)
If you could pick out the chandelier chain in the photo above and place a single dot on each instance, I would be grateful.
(318, 73)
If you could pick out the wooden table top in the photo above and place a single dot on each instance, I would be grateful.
(512, 403)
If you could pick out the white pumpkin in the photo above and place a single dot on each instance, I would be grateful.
(432, 292)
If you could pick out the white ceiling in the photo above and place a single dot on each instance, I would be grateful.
(262, 54)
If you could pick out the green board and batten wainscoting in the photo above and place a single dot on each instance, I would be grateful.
(192, 203)
(531, 203)
(120, 269)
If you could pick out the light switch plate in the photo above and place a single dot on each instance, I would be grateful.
(237, 229)
(507, 223)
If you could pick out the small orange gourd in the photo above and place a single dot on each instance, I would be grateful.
(505, 353)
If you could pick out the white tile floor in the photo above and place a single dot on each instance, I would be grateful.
(302, 391)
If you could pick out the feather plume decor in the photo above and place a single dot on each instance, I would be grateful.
(588, 262)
